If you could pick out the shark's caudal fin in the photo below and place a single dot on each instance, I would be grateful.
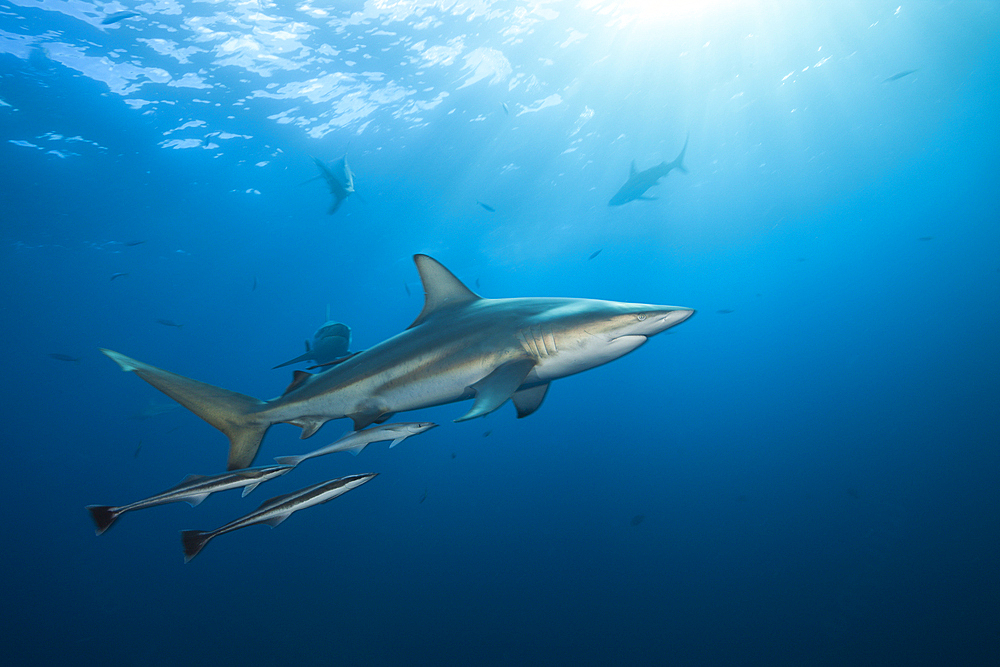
(678, 162)
(228, 411)
(103, 516)
(194, 541)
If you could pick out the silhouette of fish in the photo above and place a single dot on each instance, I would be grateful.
(594, 254)
(64, 357)
(486, 206)
(899, 75)
(118, 275)
(169, 323)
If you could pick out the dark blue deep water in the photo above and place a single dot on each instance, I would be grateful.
(807, 472)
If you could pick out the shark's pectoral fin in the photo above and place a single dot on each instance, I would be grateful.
(309, 425)
(528, 400)
(494, 389)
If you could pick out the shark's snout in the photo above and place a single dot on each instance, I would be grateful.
(671, 318)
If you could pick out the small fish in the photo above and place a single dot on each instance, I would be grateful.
(136, 455)
(192, 490)
(423, 497)
(254, 284)
(118, 16)
(132, 244)
(899, 75)
(506, 109)
(64, 357)
(355, 441)
(594, 254)
(487, 433)
(637, 519)
(407, 288)
(926, 238)
(272, 512)
(453, 455)
(725, 311)
(486, 206)
(169, 323)
(118, 275)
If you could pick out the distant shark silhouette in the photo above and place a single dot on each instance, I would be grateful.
(640, 181)
(460, 347)
(330, 343)
(339, 178)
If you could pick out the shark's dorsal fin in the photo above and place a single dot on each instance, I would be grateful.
(298, 377)
(442, 290)
(631, 170)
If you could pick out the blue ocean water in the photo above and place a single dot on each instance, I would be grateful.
(806, 472)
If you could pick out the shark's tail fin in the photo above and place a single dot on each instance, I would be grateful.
(232, 413)
(194, 541)
(678, 162)
(103, 516)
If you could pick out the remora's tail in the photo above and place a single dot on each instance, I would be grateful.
(194, 541)
(230, 412)
(678, 162)
(103, 516)
(290, 460)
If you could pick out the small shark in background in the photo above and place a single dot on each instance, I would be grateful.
(59, 356)
(355, 441)
(169, 323)
(640, 181)
(461, 346)
(192, 490)
(339, 178)
(330, 343)
(274, 511)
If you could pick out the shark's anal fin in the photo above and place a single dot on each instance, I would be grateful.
(309, 425)
(528, 400)
(494, 389)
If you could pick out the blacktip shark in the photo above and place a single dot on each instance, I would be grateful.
(274, 511)
(339, 178)
(192, 490)
(330, 343)
(355, 441)
(461, 346)
(640, 181)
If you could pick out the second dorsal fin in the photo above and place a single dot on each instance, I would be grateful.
(442, 290)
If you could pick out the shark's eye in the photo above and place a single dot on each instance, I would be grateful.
(641, 316)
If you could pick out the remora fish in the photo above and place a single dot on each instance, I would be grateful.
(274, 511)
(330, 342)
(169, 323)
(192, 490)
(461, 346)
(339, 178)
(59, 356)
(640, 181)
(356, 441)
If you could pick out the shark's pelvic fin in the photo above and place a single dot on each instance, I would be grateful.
(230, 412)
(528, 400)
(494, 389)
(442, 290)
